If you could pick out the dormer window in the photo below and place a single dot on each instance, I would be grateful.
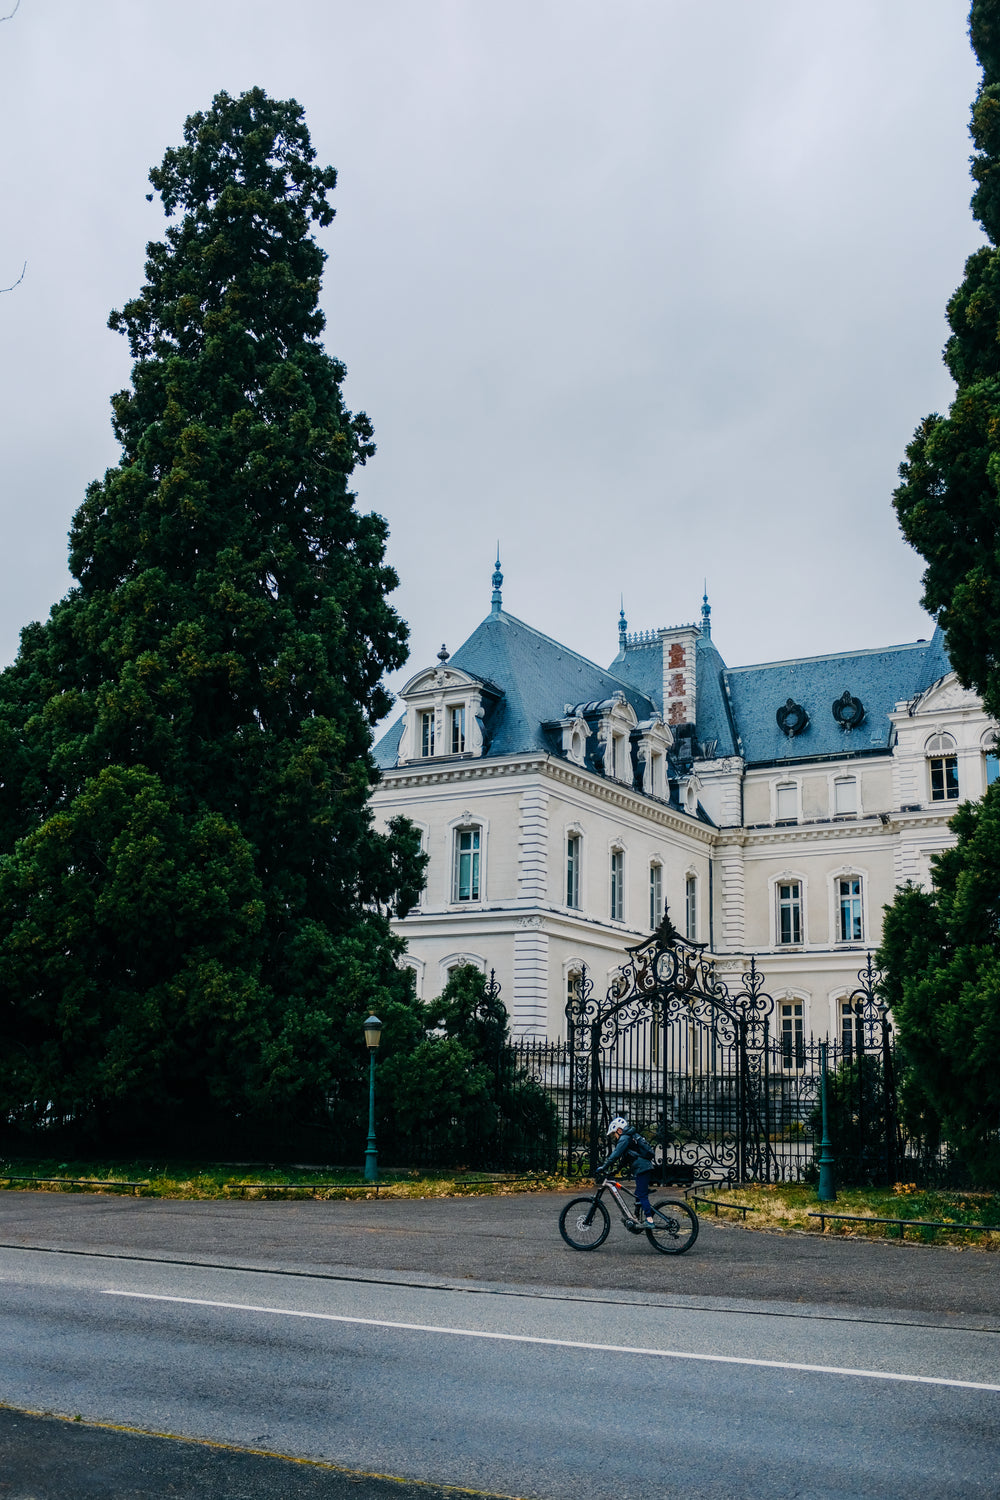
(445, 708)
(615, 732)
(655, 740)
(692, 786)
(575, 731)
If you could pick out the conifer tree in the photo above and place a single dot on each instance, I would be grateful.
(941, 948)
(193, 900)
(949, 500)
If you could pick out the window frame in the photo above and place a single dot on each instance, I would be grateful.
(477, 857)
(573, 869)
(990, 751)
(655, 893)
(854, 901)
(456, 724)
(845, 780)
(616, 882)
(849, 1028)
(786, 785)
(428, 733)
(795, 905)
(941, 754)
(791, 1034)
(691, 906)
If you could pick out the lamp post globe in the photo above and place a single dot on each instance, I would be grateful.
(373, 1035)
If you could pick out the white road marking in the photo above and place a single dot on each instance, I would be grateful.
(527, 1338)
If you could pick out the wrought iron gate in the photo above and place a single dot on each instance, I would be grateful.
(686, 1060)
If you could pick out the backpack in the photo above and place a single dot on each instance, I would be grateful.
(640, 1148)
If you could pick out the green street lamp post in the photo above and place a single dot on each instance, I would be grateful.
(826, 1192)
(373, 1035)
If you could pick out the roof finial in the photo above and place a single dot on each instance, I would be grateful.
(622, 626)
(443, 654)
(706, 613)
(497, 600)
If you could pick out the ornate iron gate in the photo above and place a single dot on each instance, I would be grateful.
(686, 1060)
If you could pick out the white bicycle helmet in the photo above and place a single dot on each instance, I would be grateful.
(618, 1123)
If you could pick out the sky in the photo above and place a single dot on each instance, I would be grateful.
(650, 292)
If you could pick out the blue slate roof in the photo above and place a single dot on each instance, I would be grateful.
(386, 751)
(879, 678)
(538, 678)
(736, 707)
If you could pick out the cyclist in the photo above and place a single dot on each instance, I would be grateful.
(636, 1156)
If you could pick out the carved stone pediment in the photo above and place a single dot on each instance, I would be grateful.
(946, 694)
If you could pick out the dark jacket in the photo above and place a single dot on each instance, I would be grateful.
(633, 1151)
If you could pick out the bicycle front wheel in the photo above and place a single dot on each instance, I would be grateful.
(675, 1227)
(584, 1223)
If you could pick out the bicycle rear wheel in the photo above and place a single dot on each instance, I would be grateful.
(675, 1228)
(584, 1223)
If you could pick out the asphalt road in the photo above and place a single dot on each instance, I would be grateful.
(510, 1239)
(585, 1375)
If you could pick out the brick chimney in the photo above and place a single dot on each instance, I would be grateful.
(678, 645)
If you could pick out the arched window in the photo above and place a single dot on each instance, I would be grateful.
(991, 757)
(942, 765)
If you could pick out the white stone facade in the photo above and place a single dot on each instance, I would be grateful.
(542, 860)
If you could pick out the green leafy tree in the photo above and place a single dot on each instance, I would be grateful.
(460, 1092)
(194, 901)
(941, 957)
(949, 500)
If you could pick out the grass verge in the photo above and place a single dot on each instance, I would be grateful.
(783, 1207)
(789, 1207)
(150, 1178)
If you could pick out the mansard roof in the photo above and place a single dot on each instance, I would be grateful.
(538, 678)
(736, 708)
(538, 681)
(877, 679)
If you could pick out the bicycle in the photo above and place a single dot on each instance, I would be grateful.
(585, 1222)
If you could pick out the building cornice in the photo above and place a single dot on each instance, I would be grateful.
(611, 793)
(511, 917)
(832, 832)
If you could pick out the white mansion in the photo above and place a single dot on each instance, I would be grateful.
(774, 808)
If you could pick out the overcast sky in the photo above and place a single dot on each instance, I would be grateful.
(649, 290)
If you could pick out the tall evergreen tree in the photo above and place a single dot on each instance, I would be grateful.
(949, 500)
(193, 899)
(941, 948)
